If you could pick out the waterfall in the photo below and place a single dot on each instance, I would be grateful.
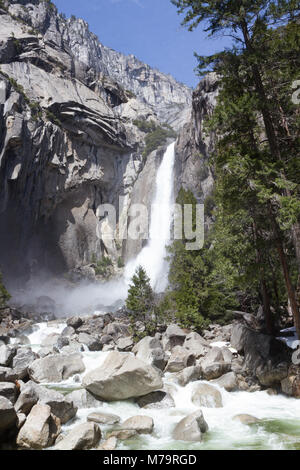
(152, 257)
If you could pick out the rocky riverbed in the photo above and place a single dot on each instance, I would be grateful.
(82, 383)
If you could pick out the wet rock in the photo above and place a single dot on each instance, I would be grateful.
(213, 365)
(40, 429)
(32, 393)
(8, 416)
(270, 375)
(174, 336)
(122, 376)
(227, 381)
(141, 424)
(123, 434)
(8, 390)
(81, 437)
(207, 396)
(189, 374)
(55, 369)
(83, 399)
(180, 359)
(191, 428)
(246, 419)
(156, 400)
(103, 418)
(109, 444)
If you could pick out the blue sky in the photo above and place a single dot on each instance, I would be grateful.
(149, 29)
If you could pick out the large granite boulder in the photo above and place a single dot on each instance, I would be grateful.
(56, 368)
(40, 429)
(191, 428)
(207, 396)
(81, 437)
(122, 376)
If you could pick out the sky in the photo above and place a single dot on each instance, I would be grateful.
(149, 29)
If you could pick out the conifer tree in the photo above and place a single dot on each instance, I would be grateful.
(140, 300)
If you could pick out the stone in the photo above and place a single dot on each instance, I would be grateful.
(21, 418)
(196, 344)
(270, 375)
(227, 381)
(103, 418)
(40, 429)
(74, 322)
(68, 331)
(122, 376)
(180, 359)
(8, 390)
(214, 371)
(7, 354)
(291, 385)
(125, 344)
(207, 396)
(189, 374)
(56, 368)
(91, 342)
(150, 350)
(22, 360)
(246, 419)
(32, 393)
(156, 400)
(191, 428)
(8, 416)
(106, 339)
(123, 434)
(174, 336)
(7, 374)
(116, 330)
(81, 437)
(83, 399)
(109, 444)
(50, 340)
(141, 424)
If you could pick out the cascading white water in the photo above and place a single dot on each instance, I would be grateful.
(153, 256)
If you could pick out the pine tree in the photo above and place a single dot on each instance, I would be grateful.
(4, 295)
(140, 300)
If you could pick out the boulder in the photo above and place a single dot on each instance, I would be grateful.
(116, 330)
(141, 424)
(174, 336)
(7, 354)
(56, 368)
(32, 393)
(83, 399)
(255, 346)
(91, 342)
(227, 381)
(156, 400)
(150, 350)
(109, 444)
(291, 384)
(7, 374)
(50, 340)
(246, 419)
(8, 416)
(191, 428)
(81, 437)
(122, 376)
(196, 345)
(74, 322)
(125, 344)
(8, 390)
(213, 365)
(270, 375)
(68, 331)
(123, 434)
(180, 359)
(103, 418)
(207, 396)
(23, 359)
(40, 429)
(189, 374)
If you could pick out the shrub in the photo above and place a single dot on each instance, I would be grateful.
(4, 295)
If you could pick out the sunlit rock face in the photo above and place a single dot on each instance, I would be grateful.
(68, 141)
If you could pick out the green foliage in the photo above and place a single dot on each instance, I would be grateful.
(51, 116)
(102, 267)
(140, 302)
(4, 295)
(120, 262)
(145, 126)
(157, 138)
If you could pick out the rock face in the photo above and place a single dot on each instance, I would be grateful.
(69, 141)
(122, 376)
